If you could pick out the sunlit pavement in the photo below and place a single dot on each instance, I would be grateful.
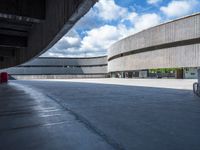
(185, 84)
(99, 114)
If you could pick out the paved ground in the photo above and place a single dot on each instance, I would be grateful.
(160, 83)
(45, 115)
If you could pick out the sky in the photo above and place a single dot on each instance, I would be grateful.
(111, 20)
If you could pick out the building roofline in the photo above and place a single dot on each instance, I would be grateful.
(164, 23)
(71, 57)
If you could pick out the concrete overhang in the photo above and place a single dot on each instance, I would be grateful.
(30, 27)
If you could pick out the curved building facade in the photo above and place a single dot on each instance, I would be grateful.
(175, 44)
(50, 67)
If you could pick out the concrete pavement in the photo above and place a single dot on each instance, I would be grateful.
(32, 121)
(76, 115)
(185, 84)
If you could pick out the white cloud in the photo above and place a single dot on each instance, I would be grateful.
(72, 39)
(177, 8)
(131, 16)
(99, 39)
(153, 1)
(109, 10)
(53, 54)
(146, 20)
(96, 41)
(67, 42)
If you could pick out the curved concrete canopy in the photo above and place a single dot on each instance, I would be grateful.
(30, 27)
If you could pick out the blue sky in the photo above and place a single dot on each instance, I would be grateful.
(111, 20)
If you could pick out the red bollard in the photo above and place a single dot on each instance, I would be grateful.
(4, 77)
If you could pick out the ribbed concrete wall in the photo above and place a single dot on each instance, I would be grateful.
(62, 66)
(57, 70)
(67, 61)
(60, 16)
(172, 44)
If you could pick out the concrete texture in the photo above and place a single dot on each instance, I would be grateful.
(169, 45)
(32, 121)
(182, 84)
(57, 77)
(49, 66)
(77, 115)
(26, 33)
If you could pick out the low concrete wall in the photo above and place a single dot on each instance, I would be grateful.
(32, 77)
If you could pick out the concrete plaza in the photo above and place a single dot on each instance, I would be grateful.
(99, 114)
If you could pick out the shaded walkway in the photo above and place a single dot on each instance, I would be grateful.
(32, 121)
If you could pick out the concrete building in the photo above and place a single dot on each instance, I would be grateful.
(175, 44)
(59, 68)
(169, 50)
(30, 27)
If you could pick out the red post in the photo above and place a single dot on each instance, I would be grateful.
(4, 77)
